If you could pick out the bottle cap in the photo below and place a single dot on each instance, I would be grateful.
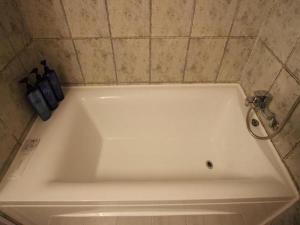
(37, 75)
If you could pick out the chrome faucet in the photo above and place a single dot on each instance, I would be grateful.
(260, 102)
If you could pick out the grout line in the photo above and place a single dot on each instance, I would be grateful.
(292, 51)
(226, 43)
(111, 41)
(262, 25)
(292, 175)
(89, 38)
(50, 38)
(257, 39)
(242, 37)
(283, 64)
(292, 74)
(150, 41)
(27, 128)
(271, 51)
(79, 64)
(24, 23)
(144, 37)
(276, 77)
(288, 58)
(292, 150)
(11, 220)
(25, 31)
(16, 56)
(15, 149)
(10, 42)
(186, 220)
(221, 61)
(252, 52)
(65, 17)
(9, 160)
(189, 41)
(22, 64)
(283, 67)
(73, 42)
(145, 83)
(10, 133)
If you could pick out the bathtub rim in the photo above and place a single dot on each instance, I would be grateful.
(288, 175)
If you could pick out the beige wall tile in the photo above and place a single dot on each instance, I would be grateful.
(286, 140)
(281, 30)
(293, 163)
(293, 62)
(250, 17)
(203, 60)
(87, 18)
(260, 71)
(167, 59)
(6, 50)
(285, 91)
(129, 17)
(96, 60)
(7, 143)
(31, 58)
(132, 60)
(13, 24)
(44, 19)
(213, 18)
(61, 56)
(235, 58)
(15, 110)
(171, 17)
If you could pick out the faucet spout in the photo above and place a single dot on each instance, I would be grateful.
(260, 101)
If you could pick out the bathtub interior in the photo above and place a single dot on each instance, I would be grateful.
(135, 136)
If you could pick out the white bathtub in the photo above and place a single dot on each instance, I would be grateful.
(144, 150)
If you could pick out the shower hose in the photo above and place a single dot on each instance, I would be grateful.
(282, 125)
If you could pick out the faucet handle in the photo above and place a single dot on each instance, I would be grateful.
(262, 99)
(274, 124)
(249, 100)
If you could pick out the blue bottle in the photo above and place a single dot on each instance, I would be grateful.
(43, 84)
(36, 100)
(53, 80)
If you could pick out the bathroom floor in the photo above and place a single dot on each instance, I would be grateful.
(158, 220)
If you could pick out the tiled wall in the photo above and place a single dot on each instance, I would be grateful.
(274, 65)
(142, 41)
(15, 114)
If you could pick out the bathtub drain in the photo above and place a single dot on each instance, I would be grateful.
(209, 164)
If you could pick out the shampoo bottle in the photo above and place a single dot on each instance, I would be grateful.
(36, 100)
(44, 86)
(53, 80)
